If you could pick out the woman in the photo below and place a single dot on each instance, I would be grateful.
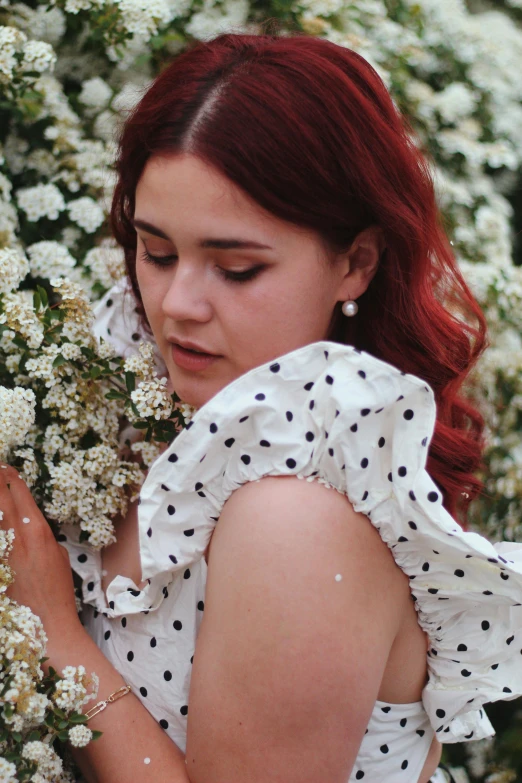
(285, 252)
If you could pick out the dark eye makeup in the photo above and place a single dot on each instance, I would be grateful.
(238, 277)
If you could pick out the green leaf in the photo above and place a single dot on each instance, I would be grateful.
(16, 736)
(130, 381)
(59, 361)
(115, 395)
(37, 302)
(34, 736)
(96, 734)
(43, 295)
(63, 736)
(63, 724)
(20, 342)
(141, 425)
(95, 372)
(77, 717)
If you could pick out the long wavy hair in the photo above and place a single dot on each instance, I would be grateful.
(308, 130)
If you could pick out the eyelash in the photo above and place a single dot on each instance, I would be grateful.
(235, 277)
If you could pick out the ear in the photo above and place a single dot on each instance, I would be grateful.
(362, 260)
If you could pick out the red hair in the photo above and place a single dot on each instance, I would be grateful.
(308, 130)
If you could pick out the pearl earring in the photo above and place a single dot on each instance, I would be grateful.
(350, 307)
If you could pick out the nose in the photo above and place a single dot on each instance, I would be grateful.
(186, 298)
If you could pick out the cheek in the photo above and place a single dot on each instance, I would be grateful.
(283, 314)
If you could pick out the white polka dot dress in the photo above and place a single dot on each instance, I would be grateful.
(332, 413)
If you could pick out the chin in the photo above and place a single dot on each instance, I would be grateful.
(187, 394)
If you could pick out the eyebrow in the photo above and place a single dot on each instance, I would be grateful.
(218, 244)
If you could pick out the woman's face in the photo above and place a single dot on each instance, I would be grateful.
(191, 219)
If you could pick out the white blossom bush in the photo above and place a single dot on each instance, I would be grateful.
(64, 397)
(71, 70)
(37, 710)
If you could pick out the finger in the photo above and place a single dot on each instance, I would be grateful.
(25, 505)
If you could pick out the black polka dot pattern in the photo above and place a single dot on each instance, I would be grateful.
(337, 414)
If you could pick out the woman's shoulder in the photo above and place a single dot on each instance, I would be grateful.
(325, 411)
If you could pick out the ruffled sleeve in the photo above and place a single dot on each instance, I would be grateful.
(362, 426)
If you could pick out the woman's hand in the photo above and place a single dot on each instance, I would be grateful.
(43, 577)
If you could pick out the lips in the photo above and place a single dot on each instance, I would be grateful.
(193, 351)
(190, 360)
(193, 347)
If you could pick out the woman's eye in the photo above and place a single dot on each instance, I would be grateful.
(237, 277)
(157, 260)
(241, 277)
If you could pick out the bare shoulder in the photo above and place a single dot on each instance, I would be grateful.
(303, 603)
(290, 519)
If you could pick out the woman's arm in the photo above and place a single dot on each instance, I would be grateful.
(130, 733)
(289, 659)
(44, 583)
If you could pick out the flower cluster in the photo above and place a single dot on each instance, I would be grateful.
(17, 414)
(19, 56)
(61, 423)
(36, 708)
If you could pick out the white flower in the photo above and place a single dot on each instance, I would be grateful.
(107, 264)
(43, 23)
(13, 269)
(41, 201)
(187, 411)
(71, 236)
(142, 363)
(11, 41)
(8, 224)
(86, 213)
(76, 303)
(213, 19)
(455, 101)
(105, 125)
(19, 315)
(5, 188)
(49, 763)
(149, 451)
(73, 6)
(75, 689)
(80, 736)
(7, 771)
(49, 259)
(95, 93)
(38, 56)
(30, 470)
(129, 96)
(143, 16)
(151, 398)
(17, 415)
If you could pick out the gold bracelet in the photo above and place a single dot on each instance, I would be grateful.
(123, 691)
